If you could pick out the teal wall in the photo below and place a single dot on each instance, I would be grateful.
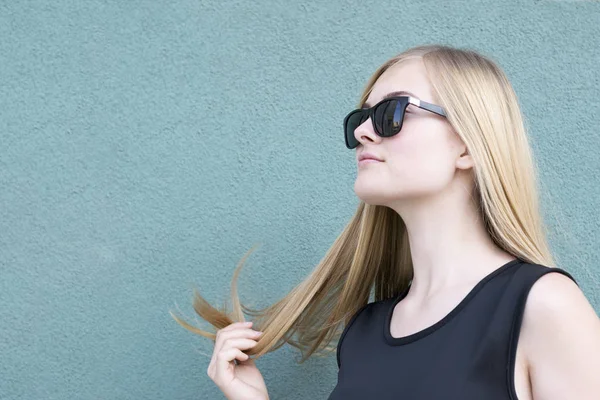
(147, 145)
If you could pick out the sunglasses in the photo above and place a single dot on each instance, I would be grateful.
(387, 117)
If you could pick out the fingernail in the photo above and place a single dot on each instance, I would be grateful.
(258, 333)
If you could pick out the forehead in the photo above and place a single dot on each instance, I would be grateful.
(408, 76)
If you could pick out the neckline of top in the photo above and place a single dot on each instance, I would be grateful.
(396, 341)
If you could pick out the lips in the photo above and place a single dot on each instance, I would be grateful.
(368, 161)
(368, 156)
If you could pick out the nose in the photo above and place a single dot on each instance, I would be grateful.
(364, 132)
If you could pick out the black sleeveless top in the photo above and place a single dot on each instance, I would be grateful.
(468, 355)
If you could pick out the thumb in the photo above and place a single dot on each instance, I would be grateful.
(249, 362)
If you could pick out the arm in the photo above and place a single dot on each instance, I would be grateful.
(561, 337)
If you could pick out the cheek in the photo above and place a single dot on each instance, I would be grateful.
(421, 160)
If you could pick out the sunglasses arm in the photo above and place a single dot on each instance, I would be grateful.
(426, 106)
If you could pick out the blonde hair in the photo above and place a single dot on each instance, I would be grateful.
(372, 253)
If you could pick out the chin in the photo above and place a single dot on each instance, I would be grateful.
(371, 196)
(379, 194)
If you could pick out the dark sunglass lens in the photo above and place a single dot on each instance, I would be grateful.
(353, 121)
(388, 117)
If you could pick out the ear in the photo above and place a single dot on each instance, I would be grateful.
(465, 161)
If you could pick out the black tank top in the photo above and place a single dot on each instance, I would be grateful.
(468, 355)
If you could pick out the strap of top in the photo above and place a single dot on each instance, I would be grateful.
(527, 276)
(346, 328)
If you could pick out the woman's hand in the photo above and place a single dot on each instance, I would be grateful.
(242, 381)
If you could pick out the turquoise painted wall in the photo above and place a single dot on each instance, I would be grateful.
(147, 145)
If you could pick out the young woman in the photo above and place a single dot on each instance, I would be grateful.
(449, 237)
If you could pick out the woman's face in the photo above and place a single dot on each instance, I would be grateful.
(421, 159)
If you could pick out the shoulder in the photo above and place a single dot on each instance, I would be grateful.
(561, 338)
(553, 296)
(365, 312)
(553, 292)
(369, 309)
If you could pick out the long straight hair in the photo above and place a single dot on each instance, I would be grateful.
(372, 253)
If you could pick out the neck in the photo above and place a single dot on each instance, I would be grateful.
(449, 244)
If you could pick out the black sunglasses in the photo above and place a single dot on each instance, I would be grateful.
(387, 117)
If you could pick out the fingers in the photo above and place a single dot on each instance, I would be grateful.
(229, 343)
(233, 332)
(228, 354)
(236, 325)
(238, 343)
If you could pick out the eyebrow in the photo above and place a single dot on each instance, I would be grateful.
(392, 94)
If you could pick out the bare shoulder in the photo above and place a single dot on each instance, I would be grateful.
(561, 340)
(554, 292)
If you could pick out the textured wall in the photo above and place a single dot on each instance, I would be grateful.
(147, 145)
